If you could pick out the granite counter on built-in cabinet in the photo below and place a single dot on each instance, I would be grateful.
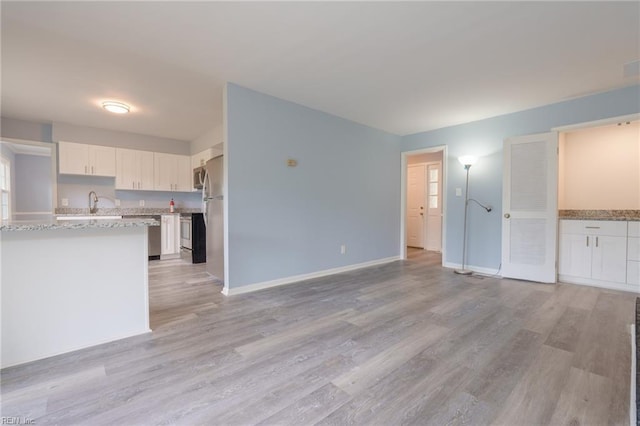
(67, 285)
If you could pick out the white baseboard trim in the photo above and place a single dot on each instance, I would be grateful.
(478, 269)
(296, 278)
(597, 283)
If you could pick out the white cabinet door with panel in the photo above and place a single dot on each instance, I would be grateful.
(172, 172)
(170, 236)
(575, 255)
(134, 169)
(633, 255)
(593, 252)
(73, 158)
(102, 160)
(89, 160)
(609, 259)
(183, 178)
(163, 171)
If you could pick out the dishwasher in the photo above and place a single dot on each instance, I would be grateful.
(154, 233)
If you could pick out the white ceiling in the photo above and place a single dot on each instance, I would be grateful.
(401, 67)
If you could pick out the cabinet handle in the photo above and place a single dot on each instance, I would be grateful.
(592, 227)
(92, 170)
(133, 185)
(587, 241)
(596, 241)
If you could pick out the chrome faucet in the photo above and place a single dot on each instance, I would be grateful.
(93, 201)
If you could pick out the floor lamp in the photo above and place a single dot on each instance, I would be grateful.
(467, 161)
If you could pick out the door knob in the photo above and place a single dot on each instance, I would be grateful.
(507, 215)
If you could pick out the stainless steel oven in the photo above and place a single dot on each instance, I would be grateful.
(186, 234)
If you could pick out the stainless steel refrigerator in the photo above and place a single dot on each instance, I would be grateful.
(213, 213)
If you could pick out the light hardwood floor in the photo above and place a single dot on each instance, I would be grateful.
(403, 343)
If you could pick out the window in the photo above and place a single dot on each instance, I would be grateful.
(5, 189)
(434, 183)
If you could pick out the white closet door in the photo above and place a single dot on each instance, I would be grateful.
(530, 207)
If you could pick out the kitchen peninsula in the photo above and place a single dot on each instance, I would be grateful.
(67, 285)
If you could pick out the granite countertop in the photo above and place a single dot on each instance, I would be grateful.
(122, 211)
(617, 215)
(52, 223)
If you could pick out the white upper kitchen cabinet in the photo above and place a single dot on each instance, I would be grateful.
(172, 172)
(134, 169)
(82, 159)
(201, 158)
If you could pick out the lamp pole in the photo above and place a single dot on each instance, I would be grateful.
(463, 271)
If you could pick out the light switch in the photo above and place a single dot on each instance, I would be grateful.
(65, 202)
(117, 202)
(141, 203)
(458, 192)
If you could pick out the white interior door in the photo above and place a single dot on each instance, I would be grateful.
(415, 205)
(530, 207)
(434, 207)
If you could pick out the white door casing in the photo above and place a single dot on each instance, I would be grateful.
(530, 207)
(434, 206)
(415, 205)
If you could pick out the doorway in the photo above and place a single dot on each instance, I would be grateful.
(423, 200)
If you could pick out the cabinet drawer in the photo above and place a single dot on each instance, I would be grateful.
(634, 229)
(594, 227)
(633, 248)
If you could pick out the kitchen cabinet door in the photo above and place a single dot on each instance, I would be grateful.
(102, 160)
(73, 158)
(82, 159)
(134, 169)
(172, 172)
(170, 235)
(164, 171)
(126, 177)
(145, 170)
(609, 259)
(183, 174)
(575, 255)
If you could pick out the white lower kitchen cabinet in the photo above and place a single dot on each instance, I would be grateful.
(593, 253)
(633, 255)
(170, 236)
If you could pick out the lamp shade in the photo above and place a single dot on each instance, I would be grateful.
(467, 160)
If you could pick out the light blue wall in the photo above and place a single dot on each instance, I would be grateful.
(286, 221)
(485, 138)
(31, 192)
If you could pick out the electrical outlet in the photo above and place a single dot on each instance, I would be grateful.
(117, 202)
(458, 192)
(65, 202)
(343, 249)
(141, 203)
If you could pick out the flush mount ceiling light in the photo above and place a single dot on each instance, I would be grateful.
(116, 107)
